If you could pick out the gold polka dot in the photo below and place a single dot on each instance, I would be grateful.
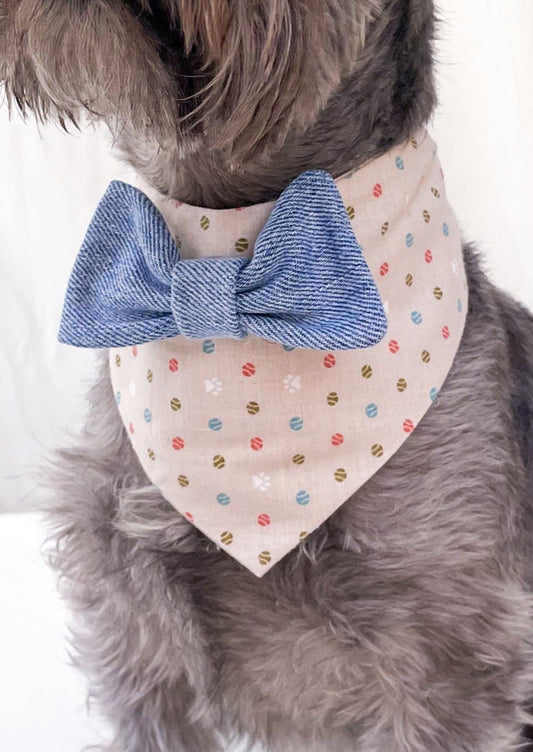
(384, 227)
(151, 454)
(264, 557)
(409, 280)
(175, 404)
(426, 216)
(366, 371)
(219, 461)
(425, 356)
(435, 192)
(401, 385)
(204, 222)
(303, 534)
(332, 399)
(340, 474)
(226, 537)
(298, 459)
(377, 450)
(414, 142)
(183, 480)
(149, 375)
(252, 408)
(350, 212)
(241, 245)
(437, 292)
(117, 360)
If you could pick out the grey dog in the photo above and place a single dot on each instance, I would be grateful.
(404, 622)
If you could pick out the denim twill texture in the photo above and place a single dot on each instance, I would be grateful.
(307, 285)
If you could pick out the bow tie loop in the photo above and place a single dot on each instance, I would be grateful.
(204, 297)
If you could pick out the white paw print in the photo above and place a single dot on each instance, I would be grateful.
(213, 386)
(291, 383)
(454, 266)
(261, 481)
(132, 388)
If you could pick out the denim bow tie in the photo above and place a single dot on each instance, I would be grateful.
(307, 285)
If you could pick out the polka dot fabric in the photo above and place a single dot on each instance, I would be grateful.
(255, 443)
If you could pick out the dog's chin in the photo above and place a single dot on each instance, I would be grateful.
(142, 148)
(189, 76)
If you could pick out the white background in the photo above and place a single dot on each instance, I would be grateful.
(49, 186)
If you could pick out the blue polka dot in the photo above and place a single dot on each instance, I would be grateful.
(409, 240)
(302, 497)
(223, 499)
(459, 305)
(288, 348)
(208, 346)
(296, 423)
(147, 415)
(118, 398)
(371, 410)
(399, 163)
(433, 394)
(416, 317)
(445, 229)
(215, 424)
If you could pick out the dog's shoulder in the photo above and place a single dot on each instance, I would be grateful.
(518, 322)
(511, 320)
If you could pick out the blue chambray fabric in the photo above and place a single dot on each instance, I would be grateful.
(307, 285)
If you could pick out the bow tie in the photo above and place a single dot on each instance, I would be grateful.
(307, 284)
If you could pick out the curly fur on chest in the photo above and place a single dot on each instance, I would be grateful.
(402, 623)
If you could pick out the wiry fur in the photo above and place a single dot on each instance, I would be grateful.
(130, 69)
(404, 622)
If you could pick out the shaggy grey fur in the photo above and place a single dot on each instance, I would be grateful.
(404, 622)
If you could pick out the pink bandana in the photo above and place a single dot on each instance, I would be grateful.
(257, 444)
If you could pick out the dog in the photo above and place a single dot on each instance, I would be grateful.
(403, 622)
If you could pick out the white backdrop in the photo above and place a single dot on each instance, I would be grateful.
(49, 186)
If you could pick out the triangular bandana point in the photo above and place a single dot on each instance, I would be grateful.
(257, 444)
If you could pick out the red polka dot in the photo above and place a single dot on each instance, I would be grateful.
(177, 443)
(408, 425)
(256, 443)
(445, 332)
(177, 204)
(329, 360)
(393, 346)
(189, 516)
(378, 190)
(173, 365)
(134, 351)
(337, 439)
(132, 430)
(384, 268)
(428, 256)
(248, 369)
(263, 520)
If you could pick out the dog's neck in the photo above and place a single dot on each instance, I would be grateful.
(208, 180)
(347, 135)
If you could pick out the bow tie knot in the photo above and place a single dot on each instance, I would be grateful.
(307, 284)
(204, 300)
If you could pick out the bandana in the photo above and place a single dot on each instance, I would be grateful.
(257, 443)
